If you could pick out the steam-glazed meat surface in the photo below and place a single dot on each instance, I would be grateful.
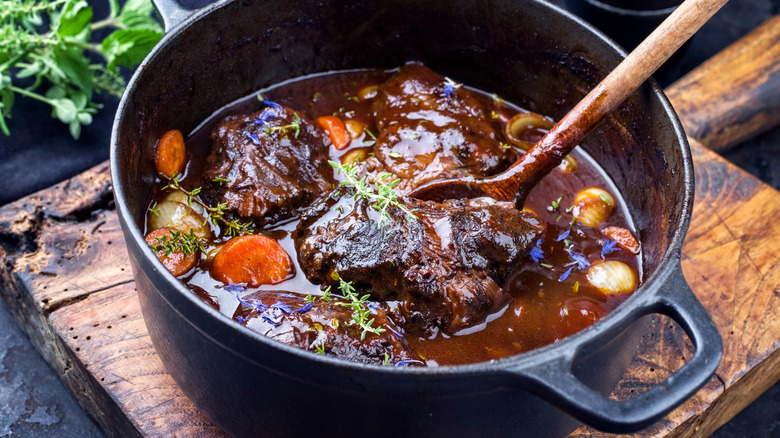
(266, 165)
(445, 266)
(431, 127)
(322, 326)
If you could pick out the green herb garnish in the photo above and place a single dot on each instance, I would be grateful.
(216, 215)
(220, 180)
(186, 243)
(381, 194)
(555, 204)
(360, 312)
(295, 127)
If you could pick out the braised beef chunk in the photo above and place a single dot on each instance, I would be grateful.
(323, 326)
(430, 128)
(266, 165)
(445, 266)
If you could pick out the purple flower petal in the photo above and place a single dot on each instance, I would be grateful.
(581, 260)
(266, 114)
(234, 288)
(607, 247)
(252, 136)
(281, 306)
(565, 275)
(275, 321)
(271, 104)
(403, 363)
(563, 235)
(304, 309)
(536, 252)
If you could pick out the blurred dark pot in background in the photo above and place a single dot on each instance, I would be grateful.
(628, 22)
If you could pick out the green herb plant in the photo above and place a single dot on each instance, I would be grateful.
(382, 194)
(48, 53)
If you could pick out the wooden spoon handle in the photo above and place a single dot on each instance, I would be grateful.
(608, 94)
(736, 93)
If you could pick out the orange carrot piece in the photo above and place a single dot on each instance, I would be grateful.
(252, 259)
(170, 154)
(177, 262)
(623, 237)
(336, 131)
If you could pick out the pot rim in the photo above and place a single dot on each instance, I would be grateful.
(668, 265)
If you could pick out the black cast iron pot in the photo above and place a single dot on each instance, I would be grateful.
(527, 51)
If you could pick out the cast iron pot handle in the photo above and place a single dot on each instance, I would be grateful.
(172, 13)
(555, 382)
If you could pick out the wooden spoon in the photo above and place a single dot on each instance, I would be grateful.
(515, 182)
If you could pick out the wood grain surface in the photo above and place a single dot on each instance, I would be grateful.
(736, 93)
(66, 279)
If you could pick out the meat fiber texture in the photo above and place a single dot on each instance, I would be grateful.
(444, 267)
(265, 168)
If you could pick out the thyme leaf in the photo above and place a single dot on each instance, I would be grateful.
(361, 313)
(382, 193)
(179, 241)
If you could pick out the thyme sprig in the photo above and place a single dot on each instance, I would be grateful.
(179, 241)
(216, 214)
(382, 193)
(361, 313)
(294, 126)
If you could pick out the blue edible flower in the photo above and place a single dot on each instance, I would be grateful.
(563, 235)
(565, 275)
(234, 288)
(450, 86)
(275, 321)
(304, 309)
(281, 306)
(536, 252)
(607, 247)
(252, 136)
(581, 261)
(266, 114)
(403, 363)
(271, 104)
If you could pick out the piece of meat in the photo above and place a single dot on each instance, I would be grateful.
(445, 267)
(432, 128)
(267, 165)
(324, 326)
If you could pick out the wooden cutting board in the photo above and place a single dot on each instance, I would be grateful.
(66, 278)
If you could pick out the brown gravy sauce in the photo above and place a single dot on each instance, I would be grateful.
(544, 308)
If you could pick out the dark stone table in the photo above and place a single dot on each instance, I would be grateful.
(40, 153)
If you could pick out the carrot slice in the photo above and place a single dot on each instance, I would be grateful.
(623, 237)
(252, 259)
(336, 131)
(171, 153)
(177, 261)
